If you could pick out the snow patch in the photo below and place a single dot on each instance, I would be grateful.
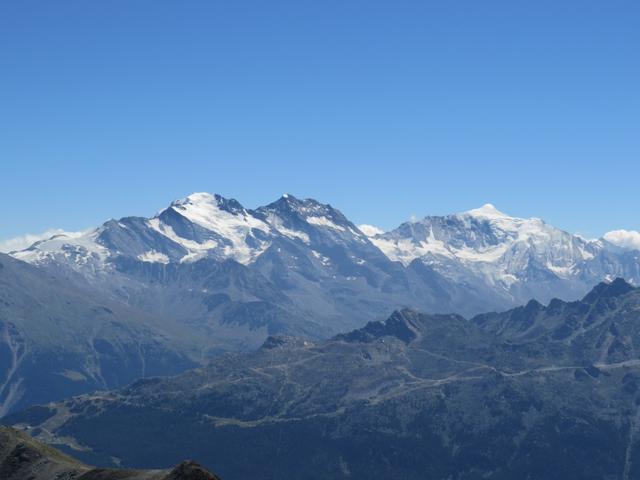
(324, 260)
(486, 211)
(323, 222)
(276, 222)
(168, 232)
(154, 257)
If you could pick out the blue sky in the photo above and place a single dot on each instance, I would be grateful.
(383, 109)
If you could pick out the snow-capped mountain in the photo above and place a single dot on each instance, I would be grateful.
(306, 219)
(295, 266)
(489, 242)
(199, 226)
(329, 269)
(517, 258)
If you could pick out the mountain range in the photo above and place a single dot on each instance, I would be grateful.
(511, 260)
(534, 392)
(138, 297)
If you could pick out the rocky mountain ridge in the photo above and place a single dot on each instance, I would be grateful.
(537, 391)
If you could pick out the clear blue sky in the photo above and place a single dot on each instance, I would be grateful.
(383, 109)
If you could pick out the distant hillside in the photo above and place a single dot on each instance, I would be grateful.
(58, 340)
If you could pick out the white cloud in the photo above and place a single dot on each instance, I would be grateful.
(25, 241)
(624, 238)
(370, 230)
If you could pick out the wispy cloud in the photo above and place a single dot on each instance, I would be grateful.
(624, 238)
(370, 230)
(24, 241)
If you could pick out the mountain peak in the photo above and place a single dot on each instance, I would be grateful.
(293, 200)
(206, 224)
(613, 289)
(301, 206)
(198, 197)
(285, 202)
(488, 210)
(205, 204)
(402, 324)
